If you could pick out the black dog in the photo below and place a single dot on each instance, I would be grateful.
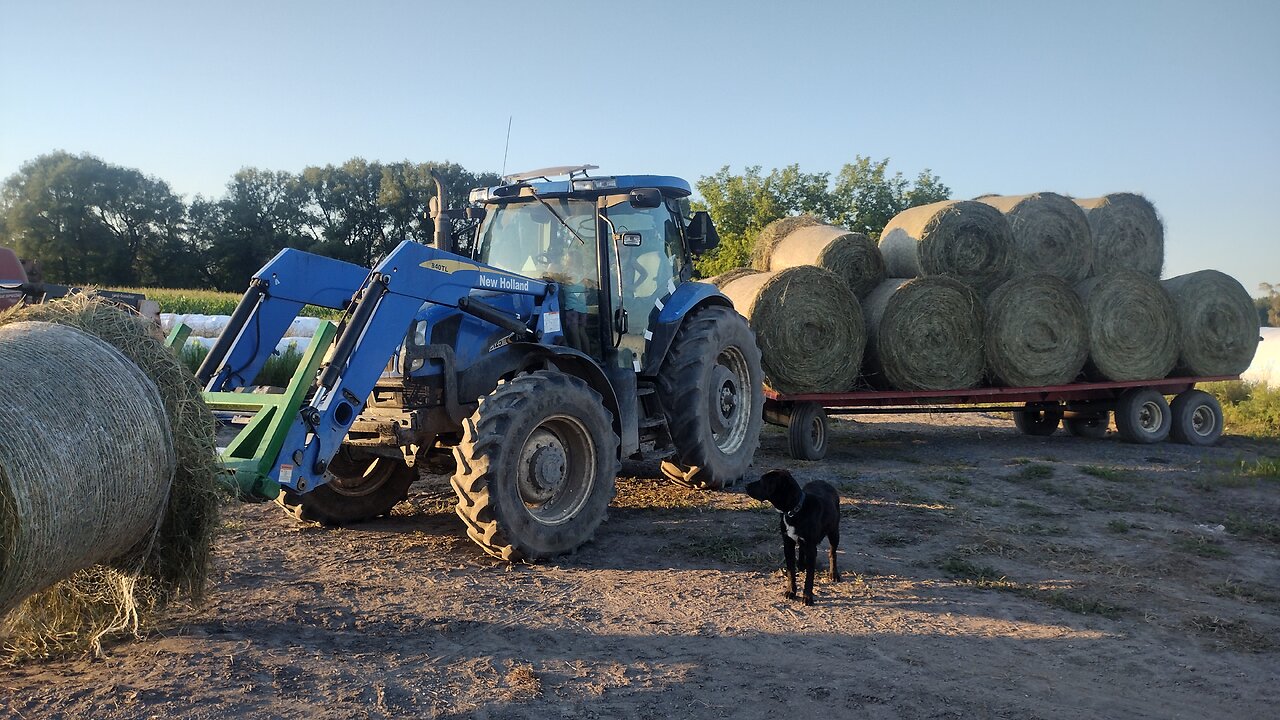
(808, 515)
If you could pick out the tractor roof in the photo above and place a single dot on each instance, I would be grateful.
(578, 184)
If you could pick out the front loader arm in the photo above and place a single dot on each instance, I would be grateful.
(380, 309)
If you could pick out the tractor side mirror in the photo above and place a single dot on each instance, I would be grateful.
(645, 198)
(701, 233)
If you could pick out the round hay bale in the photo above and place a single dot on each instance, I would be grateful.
(923, 334)
(1050, 234)
(1035, 332)
(1133, 327)
(77, 613)
(852, 256)
(966, 240)
(1218, 321)
(808, 326)
(770, 235)
(729, 276)
(1127, 234)
(86, 456)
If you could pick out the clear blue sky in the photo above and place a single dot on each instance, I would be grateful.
(1177, 100)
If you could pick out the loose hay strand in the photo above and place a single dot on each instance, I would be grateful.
(69, 618)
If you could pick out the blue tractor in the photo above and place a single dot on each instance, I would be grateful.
(562, 335)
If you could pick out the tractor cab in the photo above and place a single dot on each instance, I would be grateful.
(616, 246)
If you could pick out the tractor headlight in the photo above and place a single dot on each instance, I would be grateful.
(420, 333)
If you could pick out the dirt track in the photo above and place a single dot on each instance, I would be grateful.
(987, 575)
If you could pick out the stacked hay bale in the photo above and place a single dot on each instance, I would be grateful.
(923, 334)
(1035, 332)
(1050, 234)
(966, 240)
(113, 463)
(1133, 328)
(1217, 321)
(803, 240)
(1127, 233)
(808, 325)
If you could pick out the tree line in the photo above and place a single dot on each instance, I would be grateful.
(89, 222)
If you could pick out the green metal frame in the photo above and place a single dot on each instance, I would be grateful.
(250, 457)
(178, 336)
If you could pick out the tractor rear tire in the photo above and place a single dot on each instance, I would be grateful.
(712, 391)
(361, 486)
(536, 467)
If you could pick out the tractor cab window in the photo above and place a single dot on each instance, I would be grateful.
(648, 268)
(554, 242)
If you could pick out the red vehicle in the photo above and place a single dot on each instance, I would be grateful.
(12, 277)
(1142, 415)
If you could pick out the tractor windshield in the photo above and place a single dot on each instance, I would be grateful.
(552, 239)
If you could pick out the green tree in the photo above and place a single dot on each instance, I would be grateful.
(1268, 305)
(90, 222)
(862, 197)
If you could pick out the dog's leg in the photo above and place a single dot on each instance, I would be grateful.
(809, 557)
(834, 539)
(789, 553)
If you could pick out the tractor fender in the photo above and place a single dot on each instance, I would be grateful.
(483, 375)
(671, 310)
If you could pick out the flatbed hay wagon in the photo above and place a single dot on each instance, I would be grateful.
(1141, 412)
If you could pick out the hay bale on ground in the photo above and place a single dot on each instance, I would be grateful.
(923, 334)
(770, 235)
(86, 457)
(1050, 234)
(1127, 234)
(1035, 332)
(852, 256)
(1218, 321)
(808, 326)
(1133, 327)
(100, 601)
(966, 240)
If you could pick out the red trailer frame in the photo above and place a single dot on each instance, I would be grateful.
(1142, 414)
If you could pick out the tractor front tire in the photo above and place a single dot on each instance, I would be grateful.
(536, 467)
(361, 486)
(712, 390)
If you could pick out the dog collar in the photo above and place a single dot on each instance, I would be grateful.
(799, 504)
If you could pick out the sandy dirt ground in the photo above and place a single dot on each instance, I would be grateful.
(987, 575)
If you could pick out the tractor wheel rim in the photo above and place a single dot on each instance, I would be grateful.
(817, 436)
(555, 470)
(731, 405)
(346, 477)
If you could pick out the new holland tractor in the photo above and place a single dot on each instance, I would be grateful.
(568, 337)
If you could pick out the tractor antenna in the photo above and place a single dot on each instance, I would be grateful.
(506, 147)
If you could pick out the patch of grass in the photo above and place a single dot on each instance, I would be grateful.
(211, 302)
(988, 578)
(1020, 461)
(1244, 591)
(1120, 527)
(1265, 468)
(1034, 471)
(1106, 499)
(1250, 409)
(728, 550)
(1251, 528)
(952, 478)
(892, 539)
(278, 370)
(1036, 529)
(1110, 473)
(1235, 634)
(1200, 545)
(1033, 510)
